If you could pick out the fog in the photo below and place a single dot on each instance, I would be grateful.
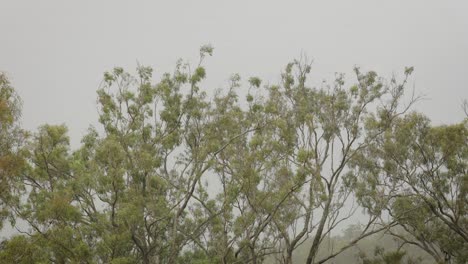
(55, 52)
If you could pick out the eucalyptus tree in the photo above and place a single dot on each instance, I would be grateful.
(318, 132)
(36, 180)
(132, 193)
(172, 177)
(287, 181)
(157, 146)
(417, 173)
(11, 142)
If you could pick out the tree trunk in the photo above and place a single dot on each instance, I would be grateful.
(254, 256)
(315, 245)
(288, 259)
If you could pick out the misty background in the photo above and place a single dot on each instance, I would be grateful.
(55, 52)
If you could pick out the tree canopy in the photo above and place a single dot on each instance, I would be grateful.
(251, 173)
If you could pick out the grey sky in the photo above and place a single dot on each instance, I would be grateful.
(56, 51)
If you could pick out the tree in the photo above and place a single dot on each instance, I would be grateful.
(316, 132)
(421, 170)
(285, 181)
(171, 176)
(11, 140)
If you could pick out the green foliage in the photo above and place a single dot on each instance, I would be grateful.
(417, 173)
(12, 160)
(176, 176)
(22, 250)
(381, 257)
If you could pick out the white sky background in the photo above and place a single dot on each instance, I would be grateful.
(55, 52)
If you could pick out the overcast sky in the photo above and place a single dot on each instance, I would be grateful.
(56, 51)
